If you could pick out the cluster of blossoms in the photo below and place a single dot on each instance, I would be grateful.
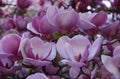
(50, 39)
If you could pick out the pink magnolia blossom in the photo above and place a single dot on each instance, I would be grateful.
(78, 49)
(40, 25)
(6, 49)
(65, 20)
(17, 22)
(9, 24)
(23, 4)
(53, 21)
(9, 54)
(21, 22)
(90, 23)
(37, 52)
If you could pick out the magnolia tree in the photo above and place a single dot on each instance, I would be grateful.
(59, 39)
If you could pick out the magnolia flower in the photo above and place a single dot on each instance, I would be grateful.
(78, 49)
(112, 64)
(90, 23)
(37, 76)
(53, 21)
(6, 49)
(21, 22)
(37, 52)
(9, 24)
(23, 4)
(40, 25)
(9, 54)
(17, 22)
(64, 20)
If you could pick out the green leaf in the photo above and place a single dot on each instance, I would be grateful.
(57, 35)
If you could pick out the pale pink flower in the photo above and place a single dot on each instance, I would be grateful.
(78, 49)
(37, 52)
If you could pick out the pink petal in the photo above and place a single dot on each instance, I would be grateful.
(110, 29)
(22, 47)
(107, 62)
(87, 16)
(70, 48)
(85, 55)
(49, 50)
(66, 20)
(9, 71)
(3, 55)
(86, 25)
(116, 51)
(79, 44)
(37, 63)
(53, 52)
(73, 63)
(99, 19)
(36, 22)
(10, 39)
(93, 73)
(37, 76)
(39, 48)
(50, 69)
(69, 52)
(60, 46)
(24, 39)
(45, 27)
(74, 72)
(94, 49)
(51, 12)
(116, 60)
